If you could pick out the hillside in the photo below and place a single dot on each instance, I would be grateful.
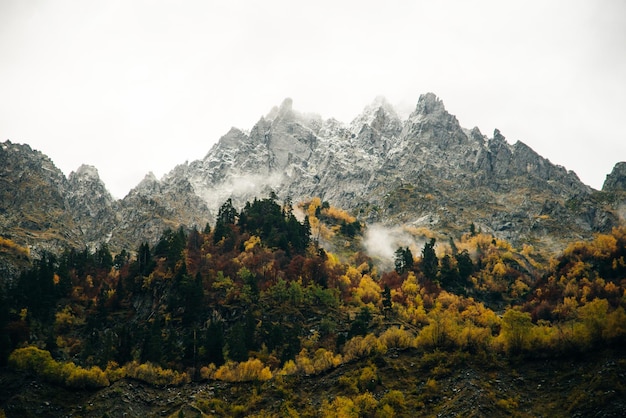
(252, 317)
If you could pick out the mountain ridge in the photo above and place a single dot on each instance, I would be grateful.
(425, 171)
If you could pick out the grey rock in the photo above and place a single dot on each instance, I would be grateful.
(616, 180)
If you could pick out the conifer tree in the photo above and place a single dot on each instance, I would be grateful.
(430, 262)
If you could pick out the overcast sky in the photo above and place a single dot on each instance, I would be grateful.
(139, 86)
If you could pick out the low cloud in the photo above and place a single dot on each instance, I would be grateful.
(381, 242)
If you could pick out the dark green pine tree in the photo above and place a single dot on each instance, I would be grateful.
(214, 343)
(464, 264)
(387, 303)
(403, 260)
(430, 262)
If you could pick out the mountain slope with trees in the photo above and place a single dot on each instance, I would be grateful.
(250, 316)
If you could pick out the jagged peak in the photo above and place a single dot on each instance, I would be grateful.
(149, 182)
(285, 108)
(379, 108)
(430, 108)
(497, 136)
(85, 171)
(477, 135)
(429, 103)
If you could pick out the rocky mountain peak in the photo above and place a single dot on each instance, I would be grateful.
(616, 180)
(92, 206)
(85, 173)
(497, 136)
(429, 104)
(279, 112)
(377, 114)
(149, 184)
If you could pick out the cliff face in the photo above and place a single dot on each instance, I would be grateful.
(33, 200)
(616, 180)
(424, 171)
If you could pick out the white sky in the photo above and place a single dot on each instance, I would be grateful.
(139, 86)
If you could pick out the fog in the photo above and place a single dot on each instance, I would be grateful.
(381, 242)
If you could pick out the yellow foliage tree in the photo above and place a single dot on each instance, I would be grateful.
(516, 328)
(246, 371)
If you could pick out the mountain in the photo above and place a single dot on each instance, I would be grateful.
(194, 320)
(45, 211)
(34, 200)
(425, 171)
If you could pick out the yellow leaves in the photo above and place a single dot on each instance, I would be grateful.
(322, 361)
(332, 260)
(288, 368)
(397, 338)
(64, 320)
(410, 287)
(340, 407)
(516, 327)
(34, 360)
(359, 347)
(615, 324)
(155, 375)
(368, 292)
(499, 270)
(252, 242)
(315, 203)
(246, 371)
(338, 214)
(604, 246)
(519, 288)
(208, 372)
(7, 245)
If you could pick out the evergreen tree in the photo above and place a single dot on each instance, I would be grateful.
(103, 257)
(430, 262)
(361, 323)
(214, 343)
(226, 217)
(464, 264)
(403, 260)
(387, 303)
(448, 274)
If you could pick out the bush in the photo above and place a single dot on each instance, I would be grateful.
(397, 338)
(246, 371)
(368, 380)
(156, 375)
(359, 347)
(40, 362)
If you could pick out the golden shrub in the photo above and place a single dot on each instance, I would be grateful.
(155, 375)
(246, 371)
(395, 337)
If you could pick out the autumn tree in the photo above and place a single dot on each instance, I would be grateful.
(516, 328)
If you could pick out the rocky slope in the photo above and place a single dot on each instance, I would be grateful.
(33, 200)
(43, 210)
(423, 171)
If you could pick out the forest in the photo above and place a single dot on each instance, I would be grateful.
(274, 294)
